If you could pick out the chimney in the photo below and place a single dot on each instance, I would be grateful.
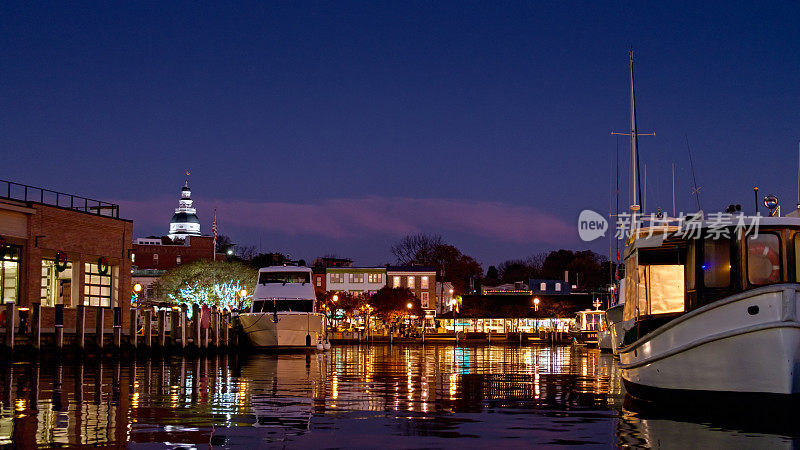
(566, 276)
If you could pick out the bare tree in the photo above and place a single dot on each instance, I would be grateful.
(417, 249)
(246, 252)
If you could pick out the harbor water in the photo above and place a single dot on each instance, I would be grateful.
(380, 396)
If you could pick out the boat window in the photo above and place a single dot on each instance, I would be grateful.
(660, 291)
(763, 259)
(716, 263)
(283, 277)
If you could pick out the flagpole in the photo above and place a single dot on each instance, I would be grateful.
(214, 230)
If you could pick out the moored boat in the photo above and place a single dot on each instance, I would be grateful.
(283, 312)
(587, 325)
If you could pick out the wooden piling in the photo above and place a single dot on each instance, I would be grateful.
(183, 334)
(99, 322)
(174, 323)
(117, 327)
(215, 316)
(36, 325)
(196, 321)
(80, 323)
(162, 328)
(134, 341)
(11, 310)
(226, 318)
(148, 327)
(59, 327)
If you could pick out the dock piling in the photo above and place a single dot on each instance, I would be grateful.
(59, 326)
(183, 328)
(36, 325)
(80, 323)
(134, 341)
(11, 309)
(162, 328)
(117, 327)
(148, 328)
(99, 319)
(196, 323)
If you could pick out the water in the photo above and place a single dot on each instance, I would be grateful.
(378, 397)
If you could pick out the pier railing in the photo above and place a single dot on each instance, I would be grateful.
(26, 193)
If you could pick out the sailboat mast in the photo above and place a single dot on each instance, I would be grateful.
(634, 143)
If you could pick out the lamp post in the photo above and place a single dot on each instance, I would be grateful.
(137, 288)
(536, 304)
(242, 294)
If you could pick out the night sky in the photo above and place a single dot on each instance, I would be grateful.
(339, 127)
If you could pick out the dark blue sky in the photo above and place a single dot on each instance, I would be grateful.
(338, 127)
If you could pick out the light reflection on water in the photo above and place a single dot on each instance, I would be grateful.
(382, 396)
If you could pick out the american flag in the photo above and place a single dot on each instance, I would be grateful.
(214, 232)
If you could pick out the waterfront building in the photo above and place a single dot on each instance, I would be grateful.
(163, 253)
(420, 280)
(332, 261)
(358, 281)
(63, 249)
(549, 287)
(444, 297)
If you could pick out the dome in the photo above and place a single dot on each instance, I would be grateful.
(182, 217)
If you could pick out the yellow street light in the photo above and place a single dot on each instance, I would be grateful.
(335, 298)
(243, 292)
(410, 305)
(536, 304)
(137, 287)
(451, 292)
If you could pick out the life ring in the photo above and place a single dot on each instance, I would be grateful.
(102, 265)
(61, 261)
(763, 264)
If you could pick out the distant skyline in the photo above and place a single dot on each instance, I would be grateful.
(319, 128)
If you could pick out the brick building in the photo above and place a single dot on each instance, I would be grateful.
(420, 280)
(61, 249)
(164, 253)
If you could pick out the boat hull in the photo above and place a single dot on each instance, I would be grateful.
(582, 337)
(747, 343)
(604, 341)
(290, 331)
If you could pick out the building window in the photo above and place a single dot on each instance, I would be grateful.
(356, 277)
(178, 260)
(423, 284)
(558, 287)
(396, 282)
(56, 286)
(96, 287)
(9, 272)
(337, 278)
(318, 281)
(410, 283)
(543, 287)
(155, 259)
(424, 299)
(133, 258)
(375, 278)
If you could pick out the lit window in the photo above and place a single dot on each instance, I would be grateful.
(375, 278)
(56, 286)
(423, 284)
(396, 282)
(543, 286)
(356, 277)
(424, 297)
(155, 259)
(133, 257)
(178, 260)
(319, 281)
(411, 282)
(96, 286)
(337, 278)
(558, 286)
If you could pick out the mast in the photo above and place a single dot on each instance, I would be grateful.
(636, 192)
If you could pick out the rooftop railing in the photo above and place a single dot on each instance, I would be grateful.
(25, 193)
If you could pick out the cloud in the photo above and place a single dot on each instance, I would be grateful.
(388, 216)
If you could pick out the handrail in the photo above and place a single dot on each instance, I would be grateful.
(23, 192)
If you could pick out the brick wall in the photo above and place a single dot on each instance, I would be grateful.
(199, 247)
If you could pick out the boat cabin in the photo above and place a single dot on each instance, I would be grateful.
(673, 271)
(590, 320)
(284, 288)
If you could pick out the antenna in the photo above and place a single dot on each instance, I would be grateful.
(696, 190)
(634, 134)
(798, 175)
(673, 189)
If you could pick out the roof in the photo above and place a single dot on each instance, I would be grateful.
(182, 217)
(410, 269)
(284, 269)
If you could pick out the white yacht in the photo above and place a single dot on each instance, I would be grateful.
(283, 312)
(712, 314)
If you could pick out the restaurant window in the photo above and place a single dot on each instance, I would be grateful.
(716, 263)
(763, 259)
(396, 282)
(9, 272)
(423, 284)
(337, 278)
(96, 286)
(375, 278)
(56, 287)
(411, 282)
(356, 277)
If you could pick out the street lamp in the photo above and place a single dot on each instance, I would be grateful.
(536, 304)
(137, 288)
(241, 294)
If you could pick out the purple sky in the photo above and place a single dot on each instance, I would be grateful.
(323, 127)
